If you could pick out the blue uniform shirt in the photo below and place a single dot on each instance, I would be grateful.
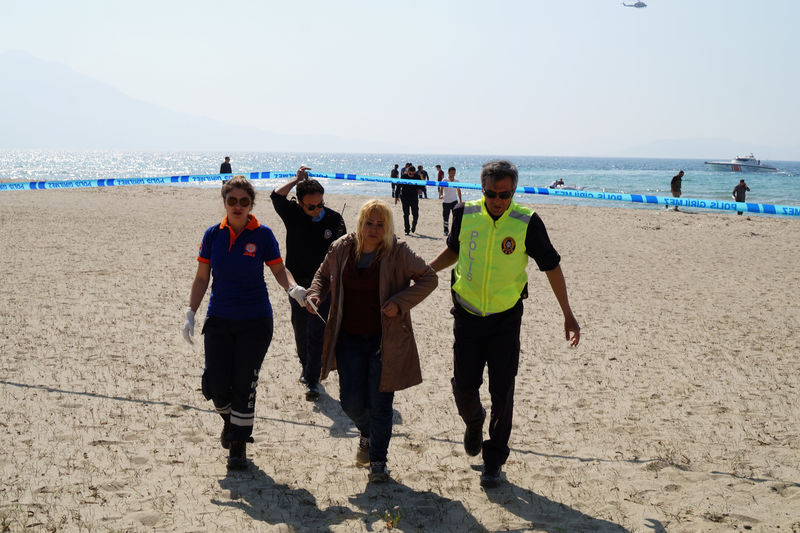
(238, 289)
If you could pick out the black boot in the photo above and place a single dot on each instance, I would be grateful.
(226, 428)
(237, 457)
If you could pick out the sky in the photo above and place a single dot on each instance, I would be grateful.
(557, 77)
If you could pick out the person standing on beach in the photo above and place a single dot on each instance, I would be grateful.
(450, 197)
(490, 244)
(373, 281)
(439, 177)
(311, 227)
(225, 167)
(409, 196)
(675, 187)
(423, 175)
(394, 174)
(238, 328)
(740, 193)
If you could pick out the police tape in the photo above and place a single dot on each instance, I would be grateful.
(699, 203)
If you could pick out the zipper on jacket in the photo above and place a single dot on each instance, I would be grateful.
(488, 263)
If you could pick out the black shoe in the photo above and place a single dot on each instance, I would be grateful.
(302, 379)
(407, 232)
(490, 478)
(226, 428)
(378, 472)
(312, 392)
(473, 437)
(237, 457)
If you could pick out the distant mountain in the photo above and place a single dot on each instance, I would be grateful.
(45, 105)
(708, 149)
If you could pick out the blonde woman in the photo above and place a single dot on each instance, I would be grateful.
(369, 338)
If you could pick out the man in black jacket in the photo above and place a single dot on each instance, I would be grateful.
(225, 168)
(409, 195)
(310, 229)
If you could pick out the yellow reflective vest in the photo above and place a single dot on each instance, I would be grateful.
(490, 274)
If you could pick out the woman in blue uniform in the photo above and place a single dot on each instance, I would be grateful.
(238, 327)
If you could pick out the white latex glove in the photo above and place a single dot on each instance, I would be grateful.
(188, 326)
(299, 294)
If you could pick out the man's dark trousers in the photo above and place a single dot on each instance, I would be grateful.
(494, 341)
(309, 332)
(410, 204)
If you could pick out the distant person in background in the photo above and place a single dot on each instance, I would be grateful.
(409, 196)
(225, 168)
(675, 187)
(423, 175)
(450, 198)
(394, 174)
(439, 177)
(740, 193)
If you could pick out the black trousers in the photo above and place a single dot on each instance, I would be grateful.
(447, 208)
(235, 350)
(309, 332)
(410, 205)
(482, 341)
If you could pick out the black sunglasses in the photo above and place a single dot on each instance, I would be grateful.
(311, 207)
(243, 202)
(504, 195)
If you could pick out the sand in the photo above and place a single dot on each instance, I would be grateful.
(679, 410)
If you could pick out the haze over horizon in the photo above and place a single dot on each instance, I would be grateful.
(677, 79)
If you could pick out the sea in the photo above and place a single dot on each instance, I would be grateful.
(602, 174)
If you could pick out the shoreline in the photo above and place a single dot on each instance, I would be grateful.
(679, 407)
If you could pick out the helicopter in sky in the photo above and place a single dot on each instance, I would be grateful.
(635, 4)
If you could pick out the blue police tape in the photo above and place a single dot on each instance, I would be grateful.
(719, 205)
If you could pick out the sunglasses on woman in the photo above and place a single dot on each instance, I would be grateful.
(504, 195)
(243, 201)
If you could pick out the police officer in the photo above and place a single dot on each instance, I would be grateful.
(311, 227)
(491, 241)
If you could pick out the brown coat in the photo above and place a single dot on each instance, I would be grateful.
(399, 357)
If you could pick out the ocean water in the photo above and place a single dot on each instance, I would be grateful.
(616, 175)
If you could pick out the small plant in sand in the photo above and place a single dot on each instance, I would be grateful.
(390, 517)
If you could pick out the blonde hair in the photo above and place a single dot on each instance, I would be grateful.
(382, 209)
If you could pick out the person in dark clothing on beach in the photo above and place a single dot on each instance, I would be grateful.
(311, 227)
(409, 196)
(394, 174)
(740, 193)
(225, 167)
(675, 187)
(423, 175)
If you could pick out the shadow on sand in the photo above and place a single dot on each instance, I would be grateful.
(414, 510)
(257, 494)
(546, 515)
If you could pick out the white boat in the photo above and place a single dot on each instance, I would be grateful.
(741, 164)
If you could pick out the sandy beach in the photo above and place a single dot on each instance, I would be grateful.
(679, 410)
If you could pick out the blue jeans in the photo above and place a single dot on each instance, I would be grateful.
(358, 359)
